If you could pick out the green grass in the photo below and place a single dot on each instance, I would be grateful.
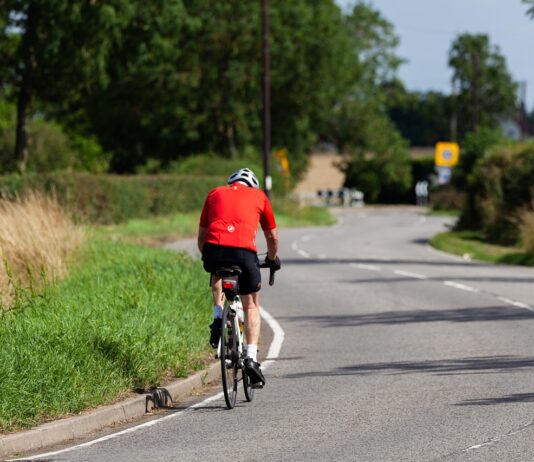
(127, 317)
(153, 231)
(474, 245)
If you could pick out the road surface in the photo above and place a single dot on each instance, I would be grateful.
(392, 351)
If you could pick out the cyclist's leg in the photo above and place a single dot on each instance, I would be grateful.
(252, 317)
(216, 290)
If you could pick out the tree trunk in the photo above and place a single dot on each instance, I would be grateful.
(21, 145)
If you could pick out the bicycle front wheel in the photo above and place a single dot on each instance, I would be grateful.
(229, 358)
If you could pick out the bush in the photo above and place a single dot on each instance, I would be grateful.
(50, 148)
(501, 187)
(110, 199)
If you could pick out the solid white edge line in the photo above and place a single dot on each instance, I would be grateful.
(410, 275)
(272, 354)
(278, 337)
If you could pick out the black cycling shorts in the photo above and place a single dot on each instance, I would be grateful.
(218, 256)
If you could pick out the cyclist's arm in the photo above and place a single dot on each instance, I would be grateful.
(201, 237)
(271, 237)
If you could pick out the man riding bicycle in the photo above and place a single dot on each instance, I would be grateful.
(227, 237)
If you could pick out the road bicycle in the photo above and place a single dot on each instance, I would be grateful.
(232, 344)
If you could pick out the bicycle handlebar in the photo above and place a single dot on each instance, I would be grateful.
(271, 273)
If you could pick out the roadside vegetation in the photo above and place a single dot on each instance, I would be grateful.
(37, 241)
(89, 315)
(127, 317)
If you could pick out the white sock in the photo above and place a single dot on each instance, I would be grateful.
(252, 352)
(217, 312)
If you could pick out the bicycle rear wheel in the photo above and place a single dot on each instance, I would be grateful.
(229, 358)
(247, 387)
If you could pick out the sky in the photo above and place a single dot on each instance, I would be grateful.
(427, 28)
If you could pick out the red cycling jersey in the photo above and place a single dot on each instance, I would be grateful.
(232, 213)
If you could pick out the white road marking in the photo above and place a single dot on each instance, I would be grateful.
(306, 238)
(457, 285)
(303, 253)
(294, 246)
(272, 355)
(278, 338)
(365, 267)
(321, 256)
(410, 275)
(514, 303)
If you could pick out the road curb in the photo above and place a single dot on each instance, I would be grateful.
(70, 428)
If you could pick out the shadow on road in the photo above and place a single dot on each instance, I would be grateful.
(517, 398)
(380, 261)
(491, 313)
(474, 365)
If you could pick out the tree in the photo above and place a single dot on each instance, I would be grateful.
(530, 11)
(486, 90)
(423, 118)
(57, 49)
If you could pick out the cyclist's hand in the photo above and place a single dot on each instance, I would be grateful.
(274, 264)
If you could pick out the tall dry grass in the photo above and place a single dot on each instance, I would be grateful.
(36, 238)
(526, 230)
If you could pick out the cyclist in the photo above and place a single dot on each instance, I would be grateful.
(226, 237)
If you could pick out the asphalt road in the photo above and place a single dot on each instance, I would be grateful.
(393, 351)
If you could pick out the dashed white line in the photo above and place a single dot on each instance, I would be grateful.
(303, 253)
(365, 267)
(321, 256)
(410, 275)
(272, 355)
(294, 246)
(457, 285)
(514, 303)
(306, 238)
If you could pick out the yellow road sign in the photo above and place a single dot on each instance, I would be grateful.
(447, 154)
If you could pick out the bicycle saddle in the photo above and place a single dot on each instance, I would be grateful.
(229, 271)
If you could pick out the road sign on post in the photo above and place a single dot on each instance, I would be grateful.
(447, 154)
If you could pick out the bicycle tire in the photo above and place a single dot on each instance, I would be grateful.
(247, 387)
(229, 357)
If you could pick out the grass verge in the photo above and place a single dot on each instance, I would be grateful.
(158, 230)
(474, 245)
(126, 317)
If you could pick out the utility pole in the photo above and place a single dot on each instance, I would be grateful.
(522, 119)
(454, 112)
(266, 99)
(476, 91)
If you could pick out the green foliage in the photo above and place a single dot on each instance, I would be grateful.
(127, 317)
(474, 245)
(474, 147)
(531, 8)
(50, 148)
(110, 199)
(422, 118)
(484, 80)
(381, 170)
(500, 189)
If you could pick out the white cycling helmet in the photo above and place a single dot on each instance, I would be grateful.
(245, 175)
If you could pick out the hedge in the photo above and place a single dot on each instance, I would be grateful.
(107, 199)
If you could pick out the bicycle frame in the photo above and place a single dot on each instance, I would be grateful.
(234, 306)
